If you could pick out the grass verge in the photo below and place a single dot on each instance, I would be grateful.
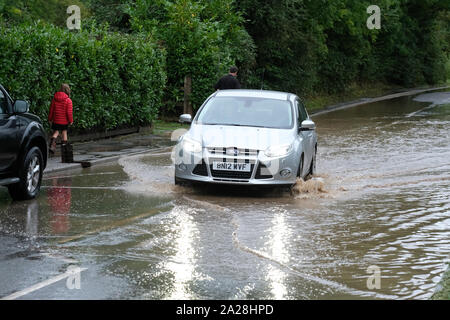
(164, 127)
(353, 92)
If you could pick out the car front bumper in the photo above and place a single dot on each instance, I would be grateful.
(264, 170)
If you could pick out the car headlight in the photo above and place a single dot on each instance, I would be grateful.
(191, 146)
(278, 151)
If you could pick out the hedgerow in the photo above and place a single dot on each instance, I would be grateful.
(117, 80)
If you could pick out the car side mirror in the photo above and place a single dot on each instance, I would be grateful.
(307, 125)
(21, 106)
(185, 118)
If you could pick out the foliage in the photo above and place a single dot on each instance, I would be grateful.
(111, 12)
(116, 80)
(310, 46)
(203, 39)
(51, 11)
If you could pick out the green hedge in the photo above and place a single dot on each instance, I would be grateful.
(116, 80)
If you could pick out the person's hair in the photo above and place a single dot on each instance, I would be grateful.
(234, 70)
(65, 88)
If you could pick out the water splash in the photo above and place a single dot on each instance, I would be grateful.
(314, 187)
(147, 178)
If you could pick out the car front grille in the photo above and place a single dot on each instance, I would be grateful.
(219, 151)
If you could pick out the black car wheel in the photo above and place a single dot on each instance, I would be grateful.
(300, 168)
(30, 174)
(312, 169)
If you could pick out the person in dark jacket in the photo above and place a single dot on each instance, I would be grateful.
(60, 115)
(228, 81)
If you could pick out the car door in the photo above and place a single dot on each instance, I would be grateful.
(308, 136)
(9, 146)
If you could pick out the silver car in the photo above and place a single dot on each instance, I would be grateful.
(247, 137)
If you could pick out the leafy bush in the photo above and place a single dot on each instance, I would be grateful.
(116, 80)
(311, 47)
(53, 11)
(203, 39)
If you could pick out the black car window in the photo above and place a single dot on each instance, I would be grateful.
(301, 111)
(2, 103)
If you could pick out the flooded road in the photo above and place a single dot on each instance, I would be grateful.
(380, 200)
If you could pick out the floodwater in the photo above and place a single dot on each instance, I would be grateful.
(380, 201)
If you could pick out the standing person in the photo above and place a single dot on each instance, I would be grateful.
(60, 115)
(228, 81)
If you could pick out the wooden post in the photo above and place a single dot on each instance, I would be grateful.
(187, 107)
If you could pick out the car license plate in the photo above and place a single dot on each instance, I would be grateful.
(231, 166)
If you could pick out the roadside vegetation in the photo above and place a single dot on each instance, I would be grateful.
(165, 127)
(128, 63)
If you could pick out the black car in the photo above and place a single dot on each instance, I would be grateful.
(23, 148)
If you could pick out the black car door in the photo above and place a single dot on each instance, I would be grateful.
(9, 145)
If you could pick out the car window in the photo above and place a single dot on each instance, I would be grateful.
(246, 111)
(2, 103)
(303, 115)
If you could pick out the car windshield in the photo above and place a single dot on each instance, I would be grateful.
(246, 111)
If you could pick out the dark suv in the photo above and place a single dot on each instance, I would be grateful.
(23, 148)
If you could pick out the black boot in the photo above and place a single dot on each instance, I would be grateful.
(63, 152)
(66, 152)
(52, 145)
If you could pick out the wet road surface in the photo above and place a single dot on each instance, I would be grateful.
(381, 198)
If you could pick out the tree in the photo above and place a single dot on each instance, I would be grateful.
(203, 39)
(29, 11)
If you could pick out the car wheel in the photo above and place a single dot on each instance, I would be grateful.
(180, 182)
(300, 168)
(30, 175)
(312, 168)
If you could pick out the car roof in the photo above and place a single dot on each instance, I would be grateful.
(265, 94)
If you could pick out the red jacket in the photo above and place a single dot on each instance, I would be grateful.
(61, 111)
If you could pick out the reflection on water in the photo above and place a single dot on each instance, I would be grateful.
(32, 222)
(59, 197)
(381, 197)
(277, 246)
(182, 264)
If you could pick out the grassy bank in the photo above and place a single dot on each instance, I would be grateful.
(443, 290)
(164, 127)
(354, 92)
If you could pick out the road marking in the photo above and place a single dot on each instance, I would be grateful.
(378, 99)
(419, 111)
(41, 285)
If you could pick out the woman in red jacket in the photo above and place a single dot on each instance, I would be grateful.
(60, 115)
